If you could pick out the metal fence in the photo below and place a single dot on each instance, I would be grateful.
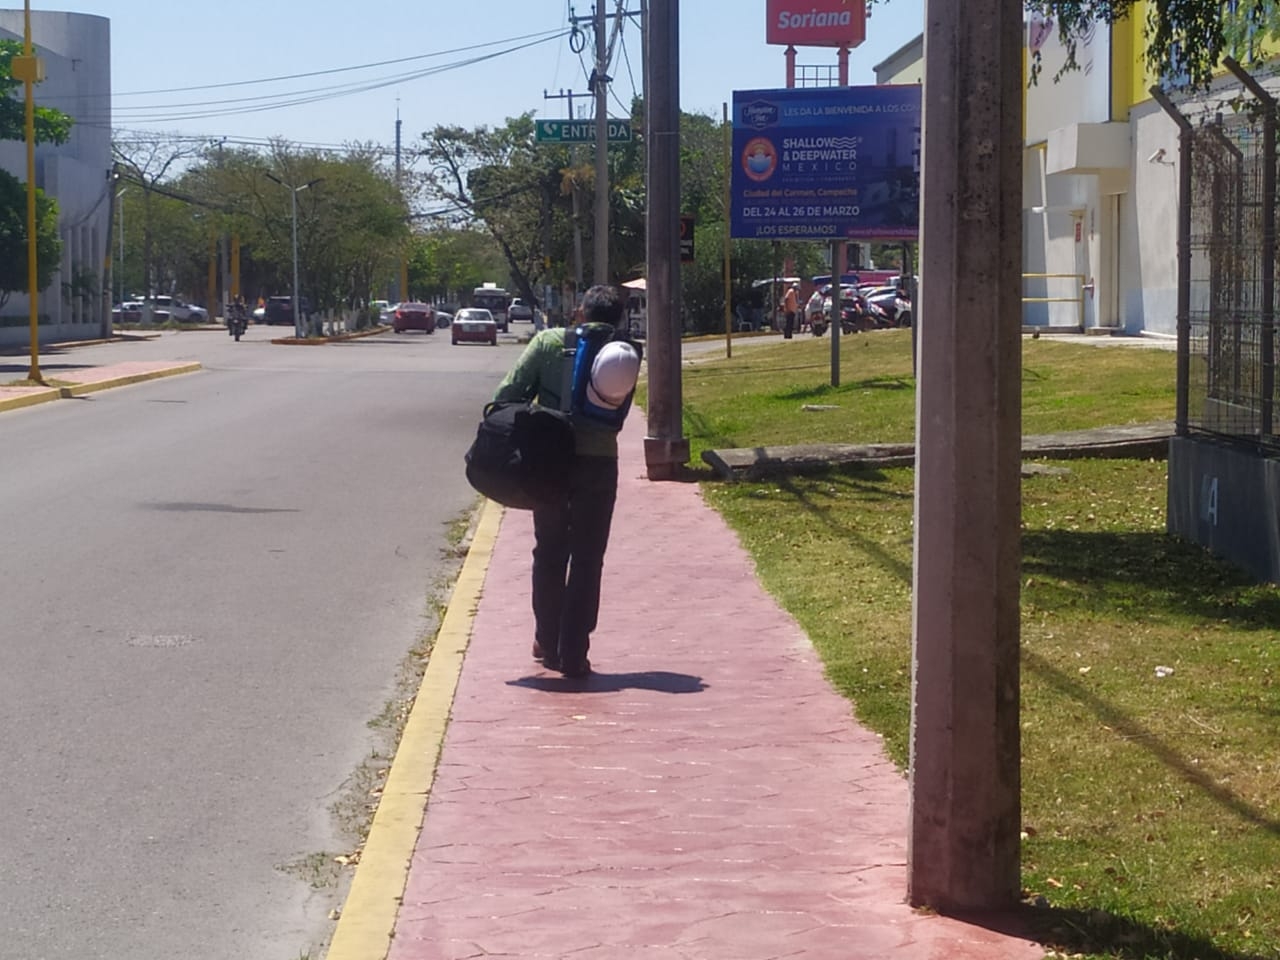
(1231, 305)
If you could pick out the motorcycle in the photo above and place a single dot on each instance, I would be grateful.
(237, 321)
(857, 315)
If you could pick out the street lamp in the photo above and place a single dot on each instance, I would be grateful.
(120, 204)
(293, 206)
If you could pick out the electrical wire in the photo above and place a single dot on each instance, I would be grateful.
(246, 105)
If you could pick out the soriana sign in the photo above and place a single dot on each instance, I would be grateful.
(817, 23)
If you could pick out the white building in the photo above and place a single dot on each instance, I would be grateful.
(1100, 180)
(76, 50)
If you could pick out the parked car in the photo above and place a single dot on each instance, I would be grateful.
(280, 309)
(165, 308)
(383, 307)
(443, 319)
(129, 311)
(519, 310)
(474, 325)
(259, 314)
(414, 316)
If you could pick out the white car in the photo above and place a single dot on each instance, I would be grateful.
(519, 310)
(165, 308)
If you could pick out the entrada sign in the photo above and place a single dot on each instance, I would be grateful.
(816, 23)
(579, 131)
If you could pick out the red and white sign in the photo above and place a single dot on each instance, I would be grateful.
(816, 23)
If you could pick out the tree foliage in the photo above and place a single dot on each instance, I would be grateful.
(52, 126)
(14, 261)
(500, 178)
(1182, 37)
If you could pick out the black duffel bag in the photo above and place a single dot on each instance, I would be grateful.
(521, 455)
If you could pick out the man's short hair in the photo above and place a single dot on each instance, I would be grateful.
(603, 304)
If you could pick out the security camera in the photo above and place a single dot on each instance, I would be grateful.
(1157, 156)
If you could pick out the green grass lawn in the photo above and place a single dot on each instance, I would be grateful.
(1151, 797)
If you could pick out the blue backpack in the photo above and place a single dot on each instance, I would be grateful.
(582, 345)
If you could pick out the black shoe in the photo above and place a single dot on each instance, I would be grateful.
(576, 670)
(548, 660)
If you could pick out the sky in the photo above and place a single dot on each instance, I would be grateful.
(321, 73)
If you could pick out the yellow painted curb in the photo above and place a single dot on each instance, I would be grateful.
(81, 389)
(368, 917)
(29, 399)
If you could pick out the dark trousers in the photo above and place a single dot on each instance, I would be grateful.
(789, 324)
(569, 541)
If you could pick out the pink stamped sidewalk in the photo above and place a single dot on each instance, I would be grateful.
(705, 795)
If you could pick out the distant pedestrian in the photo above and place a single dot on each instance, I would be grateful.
(790, 307)
(570, 537)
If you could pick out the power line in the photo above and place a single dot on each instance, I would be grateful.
(541, 35)
(228, 107)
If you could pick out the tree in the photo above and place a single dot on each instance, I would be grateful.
(1182, 36)
(500, 177)
(146, 161)
(52, 126)
(14, 261)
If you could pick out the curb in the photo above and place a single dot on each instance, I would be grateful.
(80, 389)
(321, 341)
(29, 399)
(367, 920)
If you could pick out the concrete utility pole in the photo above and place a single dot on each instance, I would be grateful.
(965, 751)
(577, 217)
(665, 447)
(600, 84)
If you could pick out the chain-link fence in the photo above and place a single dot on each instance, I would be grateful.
(1231, 389)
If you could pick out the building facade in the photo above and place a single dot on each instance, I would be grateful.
(76, 50)
(1100, 179)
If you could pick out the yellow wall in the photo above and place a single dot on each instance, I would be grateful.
(1131, 78)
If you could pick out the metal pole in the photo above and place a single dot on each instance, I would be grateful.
(30, 73)
(601, 256)
(837, 310)
(297, 319)
(728, 243)
(119, 197)
(665, 447)
(1185, 135)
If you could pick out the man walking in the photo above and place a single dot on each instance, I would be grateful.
(571, 535)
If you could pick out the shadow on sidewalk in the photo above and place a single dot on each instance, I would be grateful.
(659, 681)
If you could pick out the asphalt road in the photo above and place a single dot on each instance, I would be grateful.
(208, 586)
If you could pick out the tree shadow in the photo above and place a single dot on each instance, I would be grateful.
(1138, 735)
(1156, 574)
(1077, 931)
(870, 383)
(659, 681)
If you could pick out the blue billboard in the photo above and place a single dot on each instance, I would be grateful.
(826, 163)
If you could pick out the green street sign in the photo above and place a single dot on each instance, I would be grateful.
(580, 131)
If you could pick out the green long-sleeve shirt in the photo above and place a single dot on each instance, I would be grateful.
(540, 375)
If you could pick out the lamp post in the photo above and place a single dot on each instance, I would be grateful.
(293, 209)
(120, 203)
(30, 70)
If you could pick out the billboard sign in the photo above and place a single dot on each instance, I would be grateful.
(816, 23)
(826, 163)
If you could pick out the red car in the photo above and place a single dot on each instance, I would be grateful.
(414, 316)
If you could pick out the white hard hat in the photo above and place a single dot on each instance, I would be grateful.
(613, 375)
